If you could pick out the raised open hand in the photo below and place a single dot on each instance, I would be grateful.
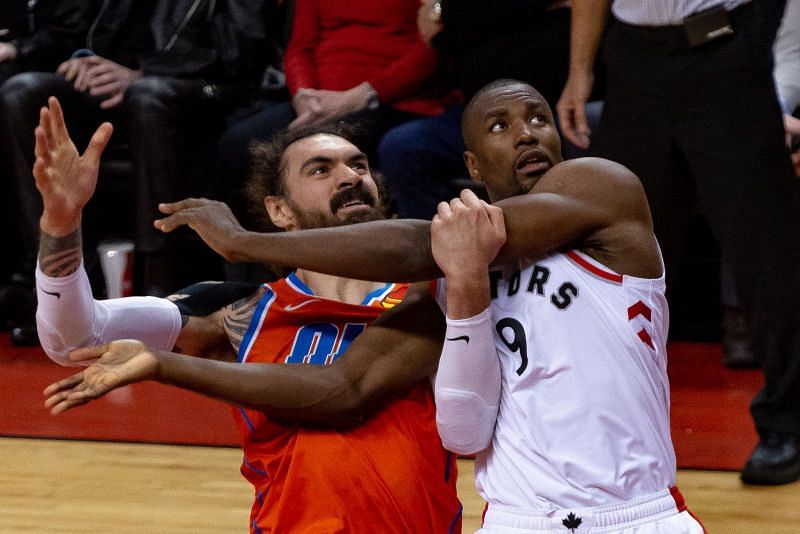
(65, 179)
(115, 365)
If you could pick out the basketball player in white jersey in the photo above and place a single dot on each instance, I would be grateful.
(570, 419)
(554, 368)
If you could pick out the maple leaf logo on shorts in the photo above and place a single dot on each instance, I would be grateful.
(572, 521)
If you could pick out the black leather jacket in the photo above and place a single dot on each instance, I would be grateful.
(44, 32)
(503, 39)
(220, 41)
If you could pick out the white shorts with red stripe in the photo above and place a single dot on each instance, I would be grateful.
(661, 513)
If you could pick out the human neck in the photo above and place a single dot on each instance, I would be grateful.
(345, 290)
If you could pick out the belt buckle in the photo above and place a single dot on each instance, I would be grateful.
(707, 26)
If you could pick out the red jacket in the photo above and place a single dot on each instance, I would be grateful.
(339, 44)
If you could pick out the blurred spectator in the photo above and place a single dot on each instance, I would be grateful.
(691, 108)
(164, 72)
(33, 36)
(359, 60)
(37, 35)
(737, 349)
(526, 40)
(787, 76)
(787, 58)
(353, 56)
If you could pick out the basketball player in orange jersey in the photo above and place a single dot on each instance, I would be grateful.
(368, 458)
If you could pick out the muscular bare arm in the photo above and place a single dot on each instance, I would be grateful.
(592, 204)
(379, 250)
(391, 356)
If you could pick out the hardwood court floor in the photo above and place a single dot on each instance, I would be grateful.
(69, 486)
(64, 486)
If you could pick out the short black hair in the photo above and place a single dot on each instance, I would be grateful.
(469, 109)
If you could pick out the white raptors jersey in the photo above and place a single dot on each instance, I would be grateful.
(584, 409)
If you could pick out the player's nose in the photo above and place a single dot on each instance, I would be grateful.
(525, 133)
(346, 176)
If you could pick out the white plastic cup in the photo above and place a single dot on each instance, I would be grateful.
(116, 260)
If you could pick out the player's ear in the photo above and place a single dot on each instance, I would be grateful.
(279, 212)
(472, 166)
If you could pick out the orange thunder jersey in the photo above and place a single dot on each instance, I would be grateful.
(390, 474)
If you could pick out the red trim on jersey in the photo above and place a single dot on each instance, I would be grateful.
(640, 308)
(594, 269)
(645, 337)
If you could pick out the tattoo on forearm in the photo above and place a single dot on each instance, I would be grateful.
(238, 318)
(60, 256)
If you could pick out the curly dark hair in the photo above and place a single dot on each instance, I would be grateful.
(268, 171)
(267, 177)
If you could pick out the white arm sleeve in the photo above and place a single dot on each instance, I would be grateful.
(68, 317)
(468, 385)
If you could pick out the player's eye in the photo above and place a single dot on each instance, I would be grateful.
(316, 171)
(538, 119)
(358, 166)
(497, 126)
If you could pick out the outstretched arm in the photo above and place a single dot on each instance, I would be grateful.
(592, 203)
(391, 356)
(67, 315)
(380, 250)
